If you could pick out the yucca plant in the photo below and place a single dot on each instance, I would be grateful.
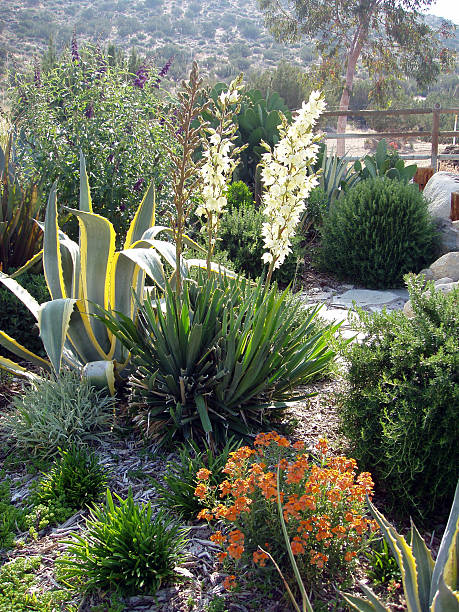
(81, 276)
(223, 357)
(20, 205)
(428, 586)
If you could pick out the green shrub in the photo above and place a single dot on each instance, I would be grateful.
(241, 239)
(226, 364)
(11, 518)
(90, 104)
(54, 412)
(401, 407)
(16, 320)
(239, 196)
(377, 232)
(125, 548)
(180, 479)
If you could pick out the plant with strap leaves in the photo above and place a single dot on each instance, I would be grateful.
(428, 586)
(20, 236)
(81, 276)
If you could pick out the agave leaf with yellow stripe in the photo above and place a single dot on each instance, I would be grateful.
(22, 352)
(16, 369)
(447, 561)
(405, 559)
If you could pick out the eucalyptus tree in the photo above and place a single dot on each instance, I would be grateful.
(390, 38)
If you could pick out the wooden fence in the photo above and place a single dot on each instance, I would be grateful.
(435, 157)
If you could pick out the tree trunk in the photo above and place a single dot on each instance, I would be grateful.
(352, 59)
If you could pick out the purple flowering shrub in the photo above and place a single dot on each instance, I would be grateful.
(115, 117)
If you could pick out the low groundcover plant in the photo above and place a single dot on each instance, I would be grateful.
(323, 501)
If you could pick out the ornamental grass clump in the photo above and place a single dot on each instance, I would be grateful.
(322, 500)
(125, 549)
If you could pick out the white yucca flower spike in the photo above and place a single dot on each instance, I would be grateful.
(220, 156)
(287, 182)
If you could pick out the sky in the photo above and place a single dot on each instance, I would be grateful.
(446, 8)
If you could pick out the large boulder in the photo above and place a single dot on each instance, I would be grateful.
(446, 266)
(448, 235)
(438, 193)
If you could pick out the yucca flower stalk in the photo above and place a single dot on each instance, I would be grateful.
(185, 169)
(220, 160)
(287, 180)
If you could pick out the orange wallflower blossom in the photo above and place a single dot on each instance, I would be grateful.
(203, 474)
(205, 514)
(201, 490)
(297, 546)
(349, 555)
(222, 556)
(218, 537)
(322, 446)
(260, 558)
(230, 582)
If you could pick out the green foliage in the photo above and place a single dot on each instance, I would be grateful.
(377, 232)
(180, 479)
(240, 238)
(226, 363)
(316, 208)
(16, 320)
(93, 105)
(385, 163)
(20, 204)
(19, 590)
(125, 549)
(54, 412)
(402, 400)
(76, 478)
(428, 586)
(382, 565)
(239, 196)
(258, 120)
(11, 519)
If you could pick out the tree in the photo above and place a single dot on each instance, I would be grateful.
(389, 37)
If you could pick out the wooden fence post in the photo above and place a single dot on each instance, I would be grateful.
(422, 176)
(435, 130)
(455, 206)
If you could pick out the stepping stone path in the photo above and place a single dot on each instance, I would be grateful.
(338, 302)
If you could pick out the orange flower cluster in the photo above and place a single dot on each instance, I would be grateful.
(322, 500)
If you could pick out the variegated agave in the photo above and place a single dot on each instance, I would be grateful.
(428, 586)
(81, 277)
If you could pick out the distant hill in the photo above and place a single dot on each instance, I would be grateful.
(225, 36)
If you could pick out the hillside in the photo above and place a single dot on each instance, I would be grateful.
(226, 36)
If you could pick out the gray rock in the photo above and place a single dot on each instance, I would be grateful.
(364, 297)
(443, 281)
(438, 193)
(446, 266)
(408, 310)
(449, 235)
(427, 273)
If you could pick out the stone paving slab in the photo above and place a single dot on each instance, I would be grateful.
(364, 298)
